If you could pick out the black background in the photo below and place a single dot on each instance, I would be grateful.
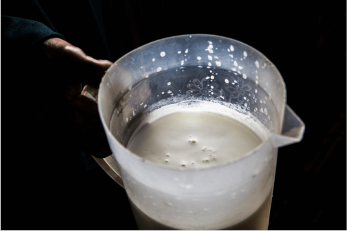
(306, 42)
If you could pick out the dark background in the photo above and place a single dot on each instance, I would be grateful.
(306, 42)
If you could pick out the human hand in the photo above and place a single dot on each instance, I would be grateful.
(76, 69)
(64, 55)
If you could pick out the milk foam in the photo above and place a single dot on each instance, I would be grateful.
(200, 135)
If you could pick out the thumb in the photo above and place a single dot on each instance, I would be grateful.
(99, 67)
(102, 67)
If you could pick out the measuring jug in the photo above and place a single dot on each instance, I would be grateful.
(180, 70)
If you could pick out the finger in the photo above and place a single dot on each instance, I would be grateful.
(72, 60)
(94, 70)
(100, 66)
(104, 66)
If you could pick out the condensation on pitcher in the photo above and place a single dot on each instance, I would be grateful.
(228, 50)
(235, 63)
(186, 51)
(209, 48)
(134, 113)
(231, 48)
(168, 204)
(179, 52)
(244, 76)
(182, 62)
(162, 54)
(257, 64)
(212, 77)
(255, 90)
(209, 57)
(233, 69)
(169, 83)
(255, 173)
(245, 53)
(199, 58)
(209, 64)
(226, 81)
(169, 92)
(240, 68)
(218, 63)
(265, 111)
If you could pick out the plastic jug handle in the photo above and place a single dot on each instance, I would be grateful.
(108, 164)
(292, 130)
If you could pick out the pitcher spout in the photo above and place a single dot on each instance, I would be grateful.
(292, 130)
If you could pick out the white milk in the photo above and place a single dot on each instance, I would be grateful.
(195, 137)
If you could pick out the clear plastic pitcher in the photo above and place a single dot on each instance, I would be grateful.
(233, 195)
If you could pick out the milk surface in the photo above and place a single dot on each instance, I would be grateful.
(192, 139)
